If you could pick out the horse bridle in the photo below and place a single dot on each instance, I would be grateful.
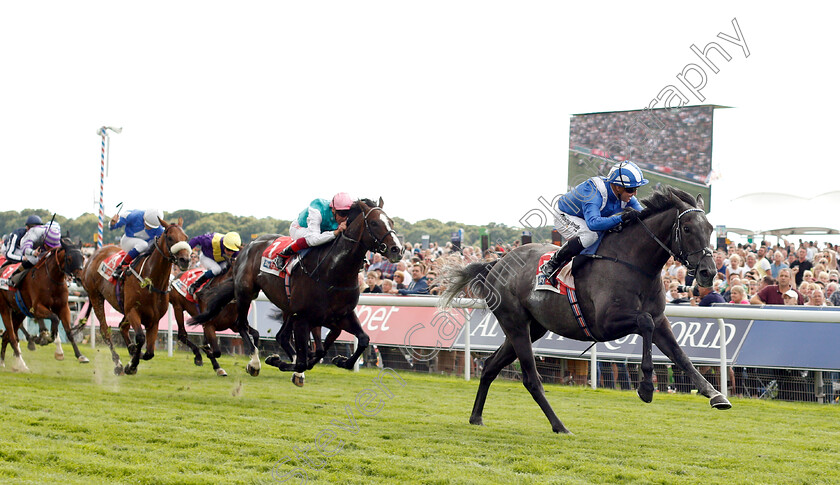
(147, 282)
(381, 247)
(681, 255)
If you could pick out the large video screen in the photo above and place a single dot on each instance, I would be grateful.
(672, 146)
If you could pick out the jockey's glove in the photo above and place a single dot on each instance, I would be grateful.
(629, 215)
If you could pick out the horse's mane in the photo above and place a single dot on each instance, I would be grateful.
(663, 198)
(356, 209)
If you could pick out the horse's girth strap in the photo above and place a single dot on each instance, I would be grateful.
(575, 303)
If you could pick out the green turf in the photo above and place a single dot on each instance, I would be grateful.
(177, 423)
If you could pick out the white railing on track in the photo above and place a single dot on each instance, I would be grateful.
(719, 313)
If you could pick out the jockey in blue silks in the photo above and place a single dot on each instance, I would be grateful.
(596, 205)
(141, 227)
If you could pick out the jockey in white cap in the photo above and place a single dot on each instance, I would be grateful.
(594, 206)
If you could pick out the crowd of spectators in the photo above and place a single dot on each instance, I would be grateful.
(419, 270)
(781, 274)
(678, 143)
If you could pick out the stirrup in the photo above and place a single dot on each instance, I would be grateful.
(281, 262)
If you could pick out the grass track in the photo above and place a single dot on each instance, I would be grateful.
(177, 423)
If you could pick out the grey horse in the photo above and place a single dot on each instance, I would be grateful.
(619, 290)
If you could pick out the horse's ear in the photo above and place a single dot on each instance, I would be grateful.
(381, 203)
(181, 221)
(701, 204)
(163, 223)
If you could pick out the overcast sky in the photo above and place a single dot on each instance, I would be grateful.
(448, 110)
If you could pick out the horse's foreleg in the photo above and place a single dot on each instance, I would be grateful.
(64, 316)
(139, 341)
(664, 338)
(645, 328)
(151, 342)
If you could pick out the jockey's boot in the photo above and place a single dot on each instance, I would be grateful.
(119, 271)
(16, 278)
(286, 254)
(201, 279)
(572, 248)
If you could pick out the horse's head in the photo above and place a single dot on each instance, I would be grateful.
(376, 228)
(175, 240)
(690, 233)
(73, 260)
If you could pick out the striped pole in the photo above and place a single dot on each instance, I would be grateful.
(101, 190)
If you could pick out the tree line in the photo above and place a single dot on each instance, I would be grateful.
(84, 228)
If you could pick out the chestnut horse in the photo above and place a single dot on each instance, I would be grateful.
(42, 293)
(224, 321)
(324, 287)
(143, 294)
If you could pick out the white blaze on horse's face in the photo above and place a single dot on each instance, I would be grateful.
(384, 219)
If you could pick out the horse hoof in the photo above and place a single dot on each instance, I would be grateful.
(198, 361)
(645, 392)
(119, 370)
(273, 360)
(476, 421)
(298, 379)
(221, 372)
(83, 360)
(340, 361)
(562, 430)
(59, 356)
(130, 370)
(720, 402)
(253, 371)
(30, 344)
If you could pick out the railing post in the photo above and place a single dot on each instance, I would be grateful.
(467, 352)
(724, 374)
(593, 364)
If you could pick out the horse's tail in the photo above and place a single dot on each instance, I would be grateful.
(461, 280)
(216, 297)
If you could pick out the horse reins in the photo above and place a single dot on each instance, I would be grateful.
(675, 236)
(147, 281)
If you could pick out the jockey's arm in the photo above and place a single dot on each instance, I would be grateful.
(593, 218)
(118, 220)
(315, 236)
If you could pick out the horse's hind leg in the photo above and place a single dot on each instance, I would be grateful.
(183, 337)
(98, 306)
(64, 316)
(531, 378)
(211, 348)
(501, 358)
(664, 338)
(243, 304)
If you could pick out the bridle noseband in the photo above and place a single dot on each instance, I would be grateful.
(680, 254)
(380, 246)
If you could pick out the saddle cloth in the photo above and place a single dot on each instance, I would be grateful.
(7, 273)
(187, 278)
(565, 279)
(107, 267)
(267, 264)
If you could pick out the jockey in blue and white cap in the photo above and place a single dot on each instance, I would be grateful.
(141, 227)
(596, 205)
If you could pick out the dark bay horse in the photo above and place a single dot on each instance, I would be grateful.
(225, 320)
(144, 294)
(619, 294)
(43, 293)
(324, 286)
